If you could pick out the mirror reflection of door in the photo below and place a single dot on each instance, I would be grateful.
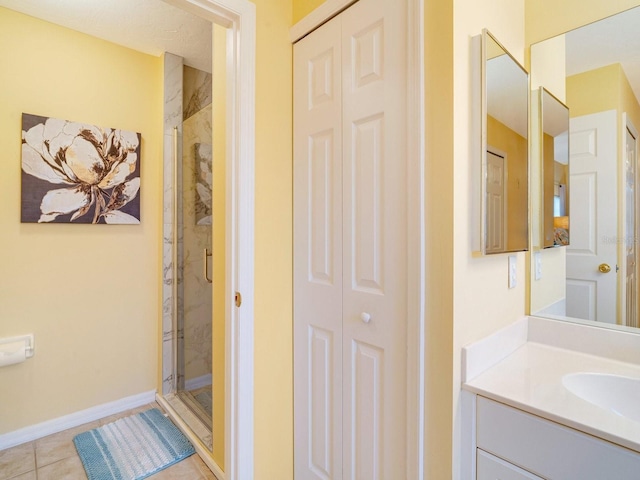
(594, 65)
(591, 293)
(496, 201)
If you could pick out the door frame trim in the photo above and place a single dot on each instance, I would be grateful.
(626, 124)
(505, 200)
(416, 327)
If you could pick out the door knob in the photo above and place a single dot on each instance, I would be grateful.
(365, 317)
(604, 268)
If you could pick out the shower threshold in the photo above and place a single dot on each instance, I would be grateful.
(179, 406)
(196, 407)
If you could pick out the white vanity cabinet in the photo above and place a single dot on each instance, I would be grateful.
(515, 445)
(490, 467)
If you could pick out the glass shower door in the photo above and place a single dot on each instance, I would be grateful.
(195, 312)
(201, 244)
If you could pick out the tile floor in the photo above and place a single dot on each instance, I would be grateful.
(55, 457)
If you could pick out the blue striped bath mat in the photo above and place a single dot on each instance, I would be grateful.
(132, 448)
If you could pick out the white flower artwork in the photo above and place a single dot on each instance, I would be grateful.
(204, 183)
(80, 173)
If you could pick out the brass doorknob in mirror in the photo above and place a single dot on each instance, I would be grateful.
(604, 268)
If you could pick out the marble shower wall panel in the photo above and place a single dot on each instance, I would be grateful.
(173, 92)
(197, 92)
(173, 66)
(167, 308)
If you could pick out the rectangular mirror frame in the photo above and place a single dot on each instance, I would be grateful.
(487, 36)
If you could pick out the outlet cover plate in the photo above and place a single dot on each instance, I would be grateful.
(513, 273)
(537, 265)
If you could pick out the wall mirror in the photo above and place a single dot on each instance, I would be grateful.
(595, 71)
(206, 50)
(554, 148)
(505, 160)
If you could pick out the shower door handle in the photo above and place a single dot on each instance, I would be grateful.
(207, 254)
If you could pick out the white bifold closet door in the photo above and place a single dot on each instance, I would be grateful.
(350, 246)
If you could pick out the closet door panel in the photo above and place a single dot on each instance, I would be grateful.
(318, 255)
(374, 240)
(366, 249)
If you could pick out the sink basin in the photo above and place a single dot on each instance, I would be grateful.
(620, 395)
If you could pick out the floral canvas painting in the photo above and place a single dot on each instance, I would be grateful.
(204, 179)
(79, 173)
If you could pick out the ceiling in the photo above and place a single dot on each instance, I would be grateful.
(615, 39)
(149, 26)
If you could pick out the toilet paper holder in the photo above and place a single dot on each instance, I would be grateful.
(6, 344)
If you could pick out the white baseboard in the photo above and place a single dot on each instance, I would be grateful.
(198, 382)
(33, 432)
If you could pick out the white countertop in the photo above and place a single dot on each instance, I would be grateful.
(530, 378)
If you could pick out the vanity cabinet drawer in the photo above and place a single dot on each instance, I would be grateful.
(493, 468)
(548, 449)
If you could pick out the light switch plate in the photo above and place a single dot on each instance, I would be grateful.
(537, 265)
(513, 277)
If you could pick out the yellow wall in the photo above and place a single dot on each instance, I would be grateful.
(551, 288)
(561, 173)
(301, 8)
(547, 65)
(480, 284)
(628, 102)
(273, 243)
(439, 244)
(89, 293)
(515, 147)
(594, 91)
